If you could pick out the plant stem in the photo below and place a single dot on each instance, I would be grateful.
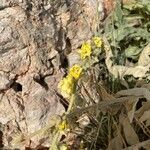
(71, 103)
(54, 142)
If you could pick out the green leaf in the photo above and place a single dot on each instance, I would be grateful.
(132, 52)
(118, 15)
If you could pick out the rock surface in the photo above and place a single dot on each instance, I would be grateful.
(35, 40)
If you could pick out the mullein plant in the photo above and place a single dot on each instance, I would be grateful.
(67, 87)
(89, 53)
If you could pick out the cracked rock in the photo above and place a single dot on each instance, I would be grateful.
(36, 38)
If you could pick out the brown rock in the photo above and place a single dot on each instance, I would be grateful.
(35, 39)
(109, 6)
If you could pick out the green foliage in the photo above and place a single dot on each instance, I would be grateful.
(128, 29)
(132, 52)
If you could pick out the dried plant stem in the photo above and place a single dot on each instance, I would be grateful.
(138, 145)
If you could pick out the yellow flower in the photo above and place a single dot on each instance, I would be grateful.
(66, 85)
(75, 71)
(97, 41)
(62, 126)
(85, 50)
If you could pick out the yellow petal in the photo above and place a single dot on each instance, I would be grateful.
(85, 50)
(66, 85)
(75, 71)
